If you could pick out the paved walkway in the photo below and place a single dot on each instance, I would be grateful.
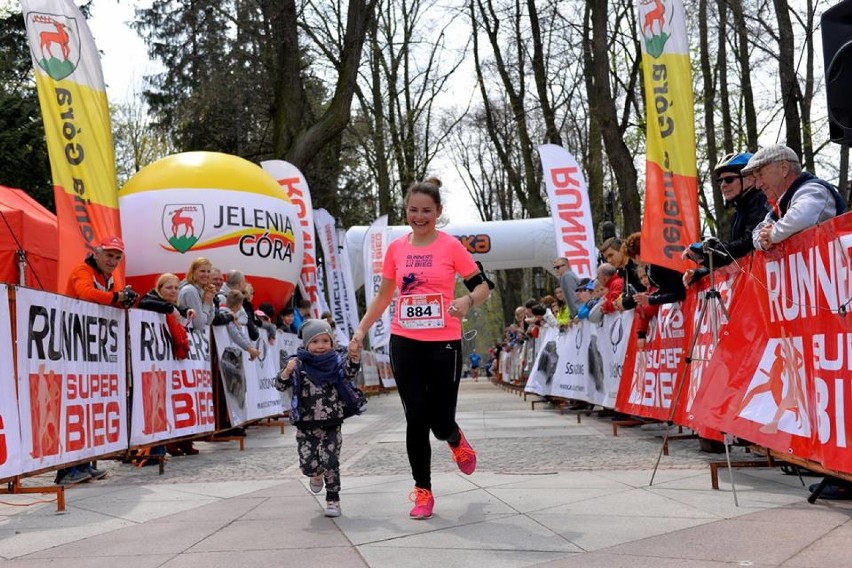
(547, 492)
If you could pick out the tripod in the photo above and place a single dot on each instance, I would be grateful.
(711, 296)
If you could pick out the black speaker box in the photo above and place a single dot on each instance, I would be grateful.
(836, 23)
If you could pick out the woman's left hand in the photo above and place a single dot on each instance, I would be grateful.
(460, 306)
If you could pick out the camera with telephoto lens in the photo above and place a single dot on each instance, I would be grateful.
(130, 296)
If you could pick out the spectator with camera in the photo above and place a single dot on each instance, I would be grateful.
(93, 280)
(750, 207)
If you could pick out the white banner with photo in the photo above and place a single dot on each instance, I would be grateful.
(370, 369)
(385, 371)
(10, 434)
(249, 385)
(171, 398)
(584, 362)
(375, 246)
(72, 389)
(338, 274)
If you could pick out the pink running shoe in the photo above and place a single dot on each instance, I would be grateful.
(424, 501)
(464, 455)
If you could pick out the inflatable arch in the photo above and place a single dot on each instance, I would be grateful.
(499, 245)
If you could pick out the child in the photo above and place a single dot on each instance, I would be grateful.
(237, 327)
(323, 395)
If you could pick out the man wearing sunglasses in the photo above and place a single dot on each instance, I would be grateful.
(568, 282)
(750, 208)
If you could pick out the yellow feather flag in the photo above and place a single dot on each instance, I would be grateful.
(670, 220)
(77, 127)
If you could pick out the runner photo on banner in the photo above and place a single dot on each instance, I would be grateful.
(72, 390)
(10, 435)
(171, 397)
(249, 384)
(781, 371)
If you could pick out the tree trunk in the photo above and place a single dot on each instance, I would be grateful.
(709, 108)
(745, 75)
(618, 153)
(790, 92)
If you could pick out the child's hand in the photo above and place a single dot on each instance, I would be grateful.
(288, 370)
(253, 353)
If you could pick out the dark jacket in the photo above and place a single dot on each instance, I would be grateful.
(314, 406)
(153, 302)
(631, 278)
(750, 208)
(669, 284)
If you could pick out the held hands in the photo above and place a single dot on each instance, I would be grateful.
(253, 353)
(356, 344)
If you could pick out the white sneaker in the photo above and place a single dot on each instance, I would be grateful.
(316, 483)
(332, 508)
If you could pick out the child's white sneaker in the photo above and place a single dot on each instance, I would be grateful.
(332, 508)
(316, 483)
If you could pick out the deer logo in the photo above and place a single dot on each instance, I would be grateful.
(55, 43)
(180, 220)
(654, 16)
(59, 37)
(182, 225)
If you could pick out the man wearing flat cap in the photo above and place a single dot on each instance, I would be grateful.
(799, 199)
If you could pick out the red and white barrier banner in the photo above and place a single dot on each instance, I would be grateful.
(781, 372)
(72, 389)
(249, 386)
(10, 434)
(570, 209)
(584, 362)
(171, 397)
(294, 184)
(709, 326)
(650, 377)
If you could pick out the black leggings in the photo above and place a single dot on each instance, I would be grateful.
(427, 376)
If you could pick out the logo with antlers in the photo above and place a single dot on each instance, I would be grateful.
(183, 225)
(654, 23)
(54, 42)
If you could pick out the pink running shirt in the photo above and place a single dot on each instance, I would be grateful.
(425, 278)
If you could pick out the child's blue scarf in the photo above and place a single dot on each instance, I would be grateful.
(321, 369)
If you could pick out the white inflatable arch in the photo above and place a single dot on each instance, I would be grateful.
(499, 245)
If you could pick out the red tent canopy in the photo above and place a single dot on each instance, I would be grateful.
(27, 225)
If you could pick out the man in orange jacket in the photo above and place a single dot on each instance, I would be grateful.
(92, 280)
